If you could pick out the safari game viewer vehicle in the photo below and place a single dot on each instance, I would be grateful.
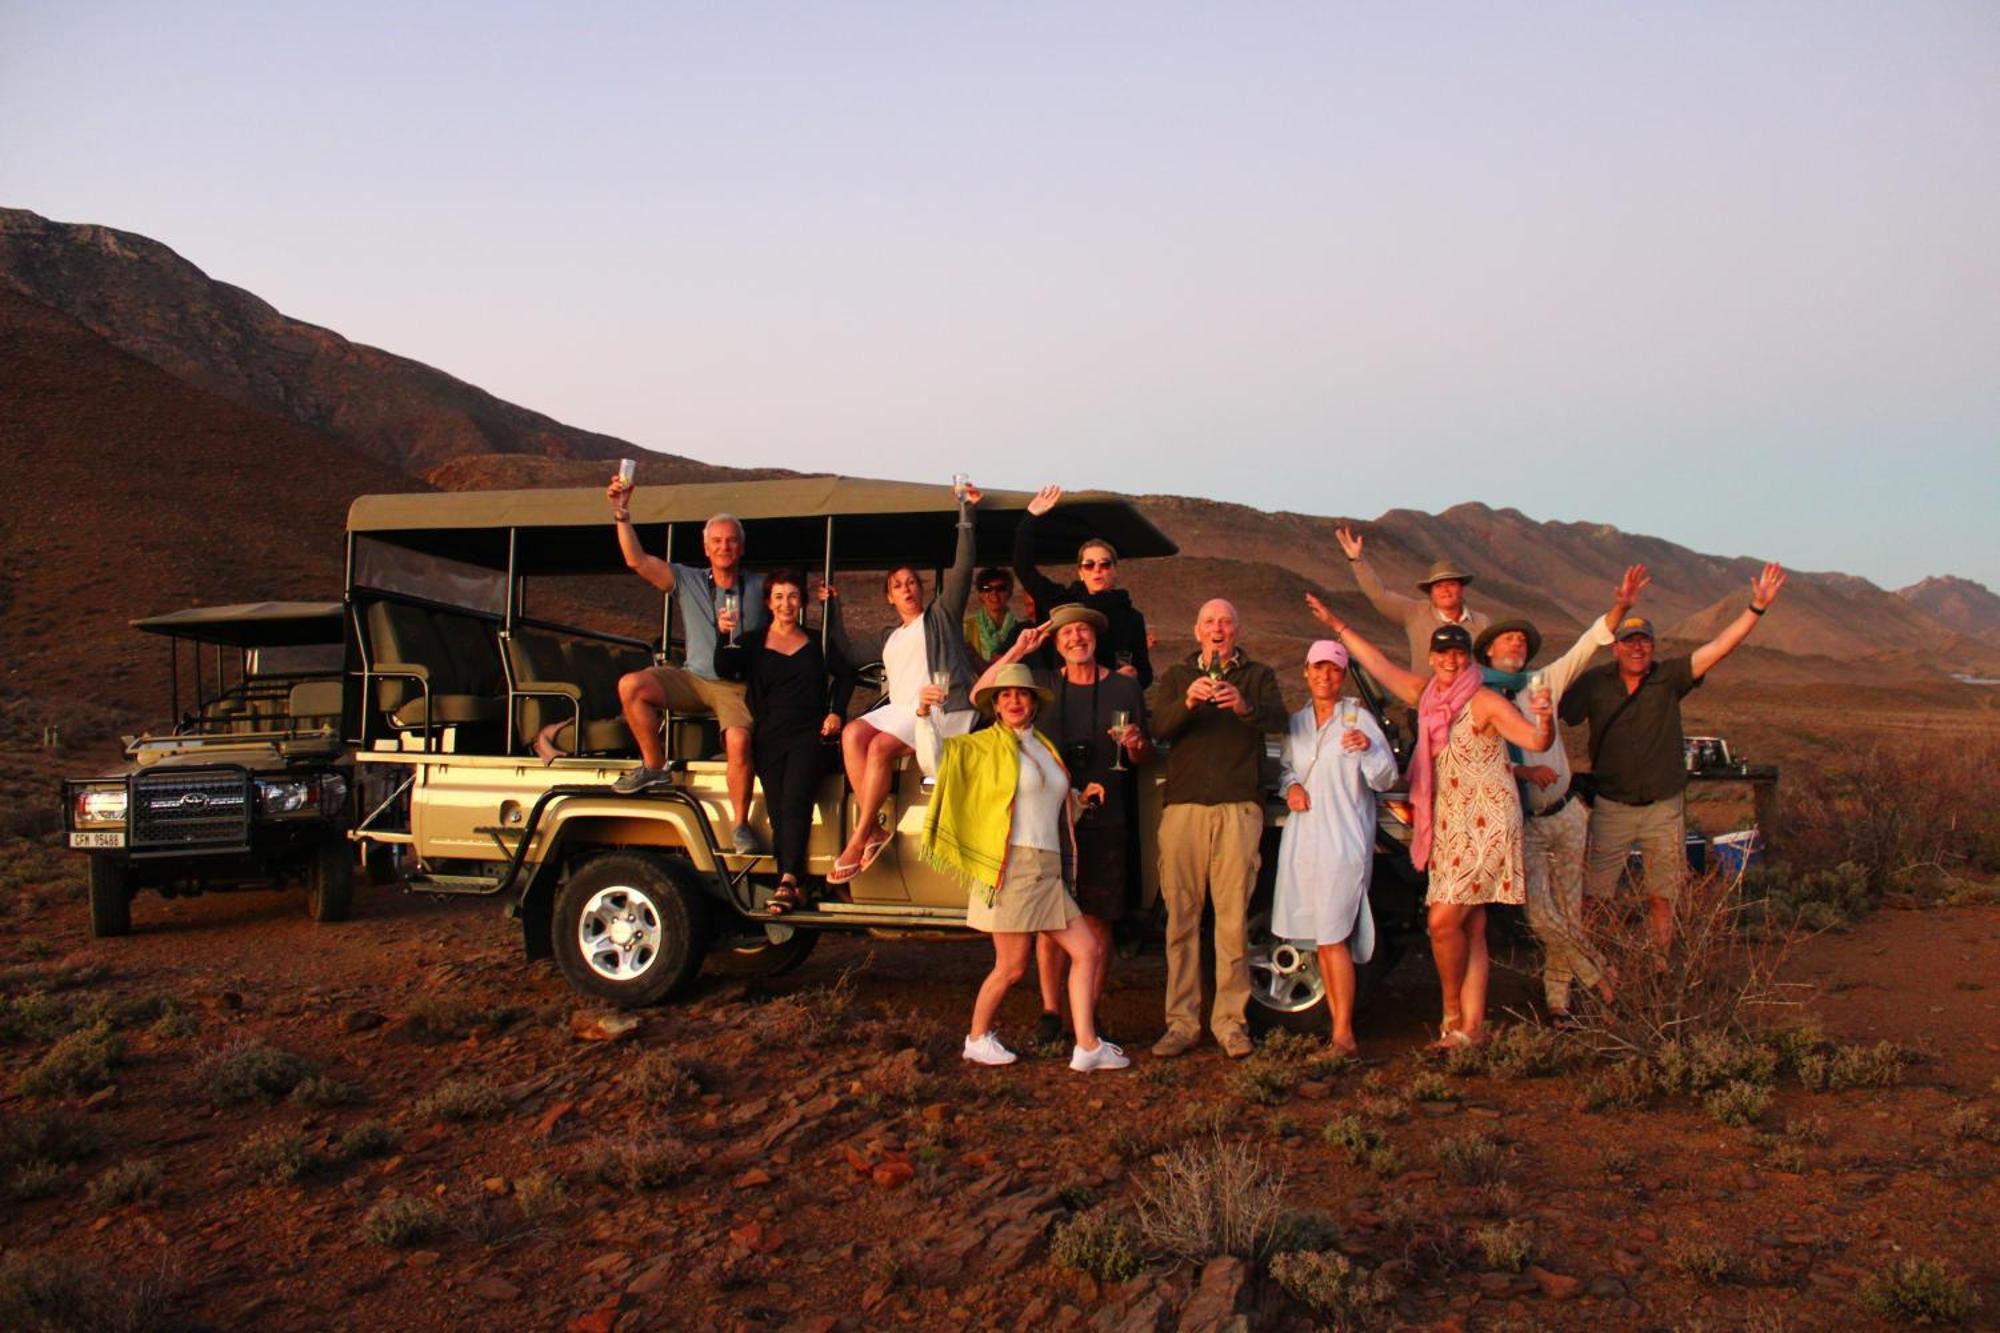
(248, 789)
(454, 677)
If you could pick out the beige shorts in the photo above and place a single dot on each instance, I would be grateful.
(689, 693)
(1031, 897)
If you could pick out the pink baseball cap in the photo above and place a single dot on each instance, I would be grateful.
(1327, 650)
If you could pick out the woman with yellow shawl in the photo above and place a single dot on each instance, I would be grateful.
(1000, 820)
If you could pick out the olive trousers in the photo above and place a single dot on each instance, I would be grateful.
(1208, 853)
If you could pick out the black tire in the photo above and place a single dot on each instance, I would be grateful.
(330, 881)
(762, 958)
(648, 895)
(110, 898)
(380, 860)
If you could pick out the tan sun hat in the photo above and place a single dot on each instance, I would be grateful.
(1069, 613)
(1013, 676)
(1442, 570)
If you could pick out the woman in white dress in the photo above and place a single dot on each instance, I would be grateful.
(1335, 760)
(926, 646)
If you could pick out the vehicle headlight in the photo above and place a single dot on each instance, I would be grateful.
(285, 796)
(100, 805)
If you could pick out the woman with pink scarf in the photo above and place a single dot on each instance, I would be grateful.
(1468, 810)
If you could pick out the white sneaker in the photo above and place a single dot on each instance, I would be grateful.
(1108, 1055)
(987, 1050)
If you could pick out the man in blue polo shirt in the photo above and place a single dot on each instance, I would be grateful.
(1633, 706)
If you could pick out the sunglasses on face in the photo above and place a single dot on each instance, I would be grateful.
(994, 587)
(1095, 564)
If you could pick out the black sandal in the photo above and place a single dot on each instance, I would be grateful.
(786, 898)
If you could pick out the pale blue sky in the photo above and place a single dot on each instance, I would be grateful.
(1727, 274)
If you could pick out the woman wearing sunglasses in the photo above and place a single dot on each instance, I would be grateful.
(1122, 646)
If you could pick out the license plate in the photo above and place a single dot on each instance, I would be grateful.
(102, 838)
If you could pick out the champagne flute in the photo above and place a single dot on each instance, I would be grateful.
(1350, 712)
(1124, 658)
(731, 606)
(942, 679)
(1119, 721)
(959, 481)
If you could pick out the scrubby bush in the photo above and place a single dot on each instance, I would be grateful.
(50, 1135)
(276, 1154)
(1304, 1229)
(1704, 1261)
(658, 1080)
(404, 1220)
(647, 1164)
(128, 1181)
(1877, 1066)
(49, 1292)
(1969, 1122)
(1348, 1134)
(1897, 811)
(1524, 1050)
(249, 1071)
(1625, 1086)
(1471, 1158)
(1739, 1103)
(36, 1178)
(1712, 1060)
(1330, 1285)
(540, 1194)
(1211, 1199)
(1431, 1088)
(460, 1099)
(1508, 1246)
(320, 1093)
(370, 1138)
(1919, 1291)
(80, 1062)
(1098, 1242)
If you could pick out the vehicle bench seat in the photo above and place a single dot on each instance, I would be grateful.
(557, 688)
(454, 655)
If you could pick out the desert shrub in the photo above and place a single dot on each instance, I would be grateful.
(1787, 1157)
(80, 1062)
(1739, 1103)
(1877, 1066)
(36, 1178)
(1508, 1246)
(320, 1093)
(1348, 1134)
(1431, 1088)
(900, 1080)
(1525, 1050)
(1969, 1122)
(125, 1182)
(1465, 1061)
(1897, 810)
(404, 1220)
(1330, 1285)
(1626, 1086)
(276, 1154)
(1098, 1242)
(1206, 1119)
(249, 1071)
(48, 1292)
(540, 1194)
(1304, 1229)
(459, 1100)
(1811, 900)
(1471, 1158)
(1704, 1261)
(1616, 1161)
(657, 1080)
(1211, 1199)
(811, 1016)
(176, 1024)
(1263, 1084)
(50, 1135)
(370, 1138)
(1812, 1129)
(1713, 1059)
(1919, 1291)
(647, 1164)
(440, 1017)
(1132, 1143)
(1389, 1110)
(1724, 980)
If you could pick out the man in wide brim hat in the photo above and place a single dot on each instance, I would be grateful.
(1482, 647)
(1072, 613)
(1443, 602)
(1442, 571)
(1013, 676)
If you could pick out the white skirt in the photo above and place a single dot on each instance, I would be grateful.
(900, 721)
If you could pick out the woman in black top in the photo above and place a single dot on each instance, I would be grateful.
(1122, 645)
(795, 709)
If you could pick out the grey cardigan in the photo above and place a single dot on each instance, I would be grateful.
(944, 623)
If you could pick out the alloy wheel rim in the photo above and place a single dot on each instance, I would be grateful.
(1284, 975)
(618, 933)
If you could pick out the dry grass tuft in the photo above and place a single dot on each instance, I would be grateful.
(1211, 1199)
(1098, 1242)
(250, 1070)
(460, 1100)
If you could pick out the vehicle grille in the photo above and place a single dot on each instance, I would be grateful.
(189, 810)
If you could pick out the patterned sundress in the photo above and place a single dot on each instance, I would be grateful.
(1475, 821)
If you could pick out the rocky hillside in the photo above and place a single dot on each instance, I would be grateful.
(218, 443)
(145, 299)
(1968, 607)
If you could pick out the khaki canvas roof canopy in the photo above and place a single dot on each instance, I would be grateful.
(252, 624)
(876, 525)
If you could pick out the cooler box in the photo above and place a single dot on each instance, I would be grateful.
(1696, 848)
(1737, 852)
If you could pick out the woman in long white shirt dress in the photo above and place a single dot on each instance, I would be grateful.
(1335, 760)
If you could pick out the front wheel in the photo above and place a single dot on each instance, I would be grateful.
(1285, 986)
(330, 881)
(110, 898)
(628, 930)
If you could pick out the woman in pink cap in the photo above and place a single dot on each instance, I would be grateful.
(1335, 759)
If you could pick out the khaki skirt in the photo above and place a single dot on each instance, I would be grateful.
(1031, 896)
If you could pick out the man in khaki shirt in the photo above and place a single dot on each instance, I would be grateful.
(1443, 602)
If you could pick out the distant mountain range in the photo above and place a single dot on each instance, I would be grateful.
(184, 442)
